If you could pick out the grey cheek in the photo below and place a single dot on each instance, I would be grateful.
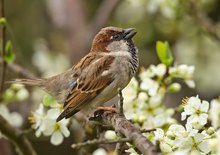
(116, 46)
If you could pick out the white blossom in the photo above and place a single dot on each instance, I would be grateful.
(202, 145)
(57, 130)
(214, 113)
(158, 70)
(37, 120)
(14, 118)
(45, 122)
(159, 134)
(130, 91)
(185, 72)
(197, 112)
(150, 85)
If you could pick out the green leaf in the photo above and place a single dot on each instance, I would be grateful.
(48, 101)
(9, 55)
(164, 53)
(3, 21)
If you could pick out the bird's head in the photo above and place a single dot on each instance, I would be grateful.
(113, 39)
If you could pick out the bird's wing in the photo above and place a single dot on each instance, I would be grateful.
(91, 80)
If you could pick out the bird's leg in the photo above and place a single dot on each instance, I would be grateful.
(101, 110)
(110, 109)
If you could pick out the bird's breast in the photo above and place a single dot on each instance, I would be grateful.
(121, 69)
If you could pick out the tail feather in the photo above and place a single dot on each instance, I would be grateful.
(66, 114)
(31, 82)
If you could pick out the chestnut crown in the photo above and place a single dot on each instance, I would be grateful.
(111, 34)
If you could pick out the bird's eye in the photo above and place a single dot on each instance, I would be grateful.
(116, 37)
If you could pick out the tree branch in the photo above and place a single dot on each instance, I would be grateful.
(20, 70)
(103, 14)
(126, 128)
(4, 65)
(99, 141)
(17, 137)
(202, 20)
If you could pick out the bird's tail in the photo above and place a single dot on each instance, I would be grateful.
(31, 82)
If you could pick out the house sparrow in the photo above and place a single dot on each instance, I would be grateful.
(95, 79)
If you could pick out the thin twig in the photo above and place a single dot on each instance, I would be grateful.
(203, 20)
(4, 65)
(147, 130)
(101, 17)
(119, 146)
(20, 70)
(99, 141)
(121, 99)
(17, 137)
(104, 12)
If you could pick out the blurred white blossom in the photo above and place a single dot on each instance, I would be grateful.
(167, 8)
(158, 70)
(50, 64)
(149, 85)
(37, 120)
(184, 72)
(214, 113)
(130, 91)
(14, 118)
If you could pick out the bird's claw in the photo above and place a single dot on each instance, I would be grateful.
(101, 110)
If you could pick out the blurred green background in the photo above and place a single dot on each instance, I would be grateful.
(50, 36)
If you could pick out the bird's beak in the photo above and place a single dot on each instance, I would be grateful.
(129, 33)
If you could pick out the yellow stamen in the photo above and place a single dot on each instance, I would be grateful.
(185, 100)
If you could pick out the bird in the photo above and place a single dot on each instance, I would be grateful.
(96, 78)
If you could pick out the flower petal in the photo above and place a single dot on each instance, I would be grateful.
(56, 138)
(159, 133)
(205, 106)
(203, 118)
(53, 113)
(192, 119)
(198, 137)
(204, 147)
(183, 116)
(64, 130)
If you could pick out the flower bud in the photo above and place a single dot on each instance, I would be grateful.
(135, 118)
(111, 135)
(9, 94)
(141, 119)
(17, 86)
(173, 88)
(22, 94)
(210, 130)
(170, 134)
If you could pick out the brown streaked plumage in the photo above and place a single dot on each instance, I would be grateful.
(110, 65)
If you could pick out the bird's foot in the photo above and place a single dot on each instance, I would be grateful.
(101, 110)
